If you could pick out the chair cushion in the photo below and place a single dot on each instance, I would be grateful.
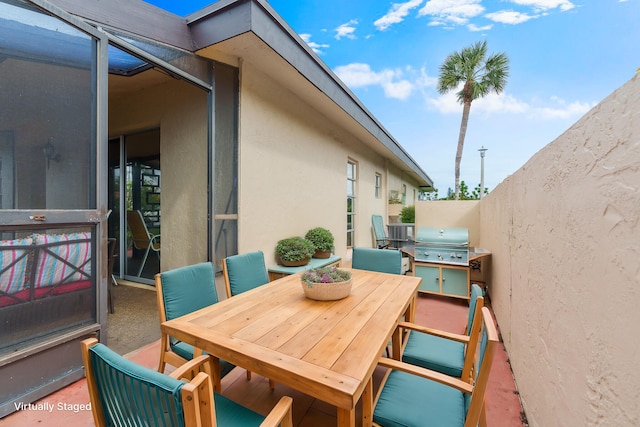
(188, 289)
(13, 264)
(229, 413)
(381, 260)
(51, 270)
(186, 351)
(246, 271)
(408, 400)
(435, 353)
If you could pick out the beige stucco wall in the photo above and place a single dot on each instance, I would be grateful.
(451, 214)
(293, 164)
(180, 111)
(292, 167)
(565, 241)
(566, 236)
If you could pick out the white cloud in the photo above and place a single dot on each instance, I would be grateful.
(396, 14)
(425, 80)
(454, 11)
(542, 5)
(509, 17)
(361, 75)
(554, 109)
(316, 47)
(502, 103)
(347, 30)
(561, 109)
(492, 103)
(475, 28)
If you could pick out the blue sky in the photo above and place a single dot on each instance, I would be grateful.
(565, 57)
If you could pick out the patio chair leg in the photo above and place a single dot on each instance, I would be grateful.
(144, 260)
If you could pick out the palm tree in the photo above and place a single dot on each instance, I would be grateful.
(480, 75)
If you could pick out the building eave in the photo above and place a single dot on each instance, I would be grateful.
(227, 19)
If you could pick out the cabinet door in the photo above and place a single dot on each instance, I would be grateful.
(430, 278)
(455, 282)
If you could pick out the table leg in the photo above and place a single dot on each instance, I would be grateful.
(346, 417)
(396, 344)
(367, 404)
(410, 314)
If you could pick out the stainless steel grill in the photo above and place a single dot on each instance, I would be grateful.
(442, 245)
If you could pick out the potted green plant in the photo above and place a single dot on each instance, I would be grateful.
(322, 239)
(294, 251)
(326, 283)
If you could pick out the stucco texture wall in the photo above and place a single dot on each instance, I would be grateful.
(293, 164)
(451, 214)
(564, 234)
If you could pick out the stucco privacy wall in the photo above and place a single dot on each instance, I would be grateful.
(180, 111)
(293, 164)
(564, 232)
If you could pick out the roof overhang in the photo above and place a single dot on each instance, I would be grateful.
(251, 30)
(246, 28)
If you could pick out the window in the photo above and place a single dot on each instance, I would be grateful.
(352, 176)
(404, 194)
(378, 185)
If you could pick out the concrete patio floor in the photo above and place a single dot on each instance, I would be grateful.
(68, 407)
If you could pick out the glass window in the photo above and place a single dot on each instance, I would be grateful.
(47, 111)
(352, 176)
(378, 185)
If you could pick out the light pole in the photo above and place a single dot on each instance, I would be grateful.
(482, 152)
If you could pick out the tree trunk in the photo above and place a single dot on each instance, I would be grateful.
(463, 132)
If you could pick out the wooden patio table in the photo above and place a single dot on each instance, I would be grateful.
(326, 349)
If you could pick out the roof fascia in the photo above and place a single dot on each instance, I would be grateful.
(226, 19)
(133, 16)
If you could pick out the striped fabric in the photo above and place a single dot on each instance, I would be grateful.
(51, 270)
(13, 265)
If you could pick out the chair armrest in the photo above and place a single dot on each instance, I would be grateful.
(426, 373)
(280, 415)
(444, 334)
(190, 369)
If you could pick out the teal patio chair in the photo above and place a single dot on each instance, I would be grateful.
(124, 393)
(379, 235)
(410, 395)
(242, 273)
(443, 351)
(380, 260)
(182, 291)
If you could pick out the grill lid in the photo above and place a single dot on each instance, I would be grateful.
(443, 236)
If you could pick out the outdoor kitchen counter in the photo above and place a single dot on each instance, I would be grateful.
(442, 278)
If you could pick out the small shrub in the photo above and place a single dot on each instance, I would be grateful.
(321, 238)
(408, 215)
(294, 249)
